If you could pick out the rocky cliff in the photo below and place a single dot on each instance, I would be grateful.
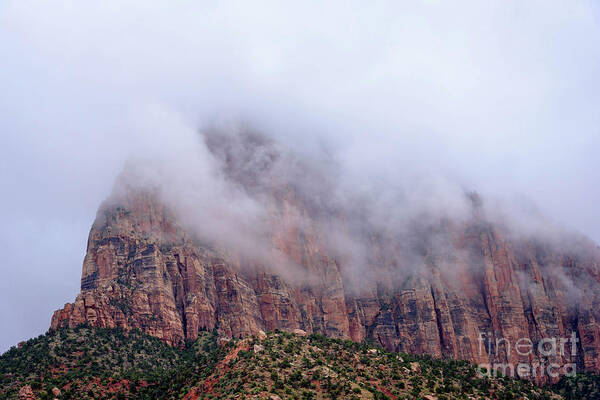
(468, 289)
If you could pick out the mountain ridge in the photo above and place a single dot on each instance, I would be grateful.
(439, 287)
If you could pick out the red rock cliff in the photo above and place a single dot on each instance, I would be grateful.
(143, 270)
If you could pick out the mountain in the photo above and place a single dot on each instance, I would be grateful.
(454, 287)
(86, 363)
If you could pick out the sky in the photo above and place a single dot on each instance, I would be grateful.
(502, 97)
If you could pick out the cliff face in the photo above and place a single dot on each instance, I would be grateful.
(466, 289)
(144, 271)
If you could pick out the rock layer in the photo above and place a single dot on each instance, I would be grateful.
(463, 288)
(144, 271)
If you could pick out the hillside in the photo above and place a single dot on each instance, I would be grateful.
(90, 363)
(104, 363)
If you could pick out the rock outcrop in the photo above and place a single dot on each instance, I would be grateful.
(26, 393)
(475, 292)
(143, 271)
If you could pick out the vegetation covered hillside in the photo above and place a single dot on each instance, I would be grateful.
(287, 366)
(91, 363)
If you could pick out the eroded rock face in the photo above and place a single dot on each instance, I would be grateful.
(463, 288)
(144, 271)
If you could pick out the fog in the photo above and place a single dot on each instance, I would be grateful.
(438, 98)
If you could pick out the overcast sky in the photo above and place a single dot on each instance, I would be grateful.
(503, 96)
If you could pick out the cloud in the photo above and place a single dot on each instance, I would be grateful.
(501, 98)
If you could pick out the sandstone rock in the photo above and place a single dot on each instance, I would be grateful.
(143, 270)
(26, 393)
(415, 367)
(325, 371)
(258, 348)
(56, 391)
(299, 332)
